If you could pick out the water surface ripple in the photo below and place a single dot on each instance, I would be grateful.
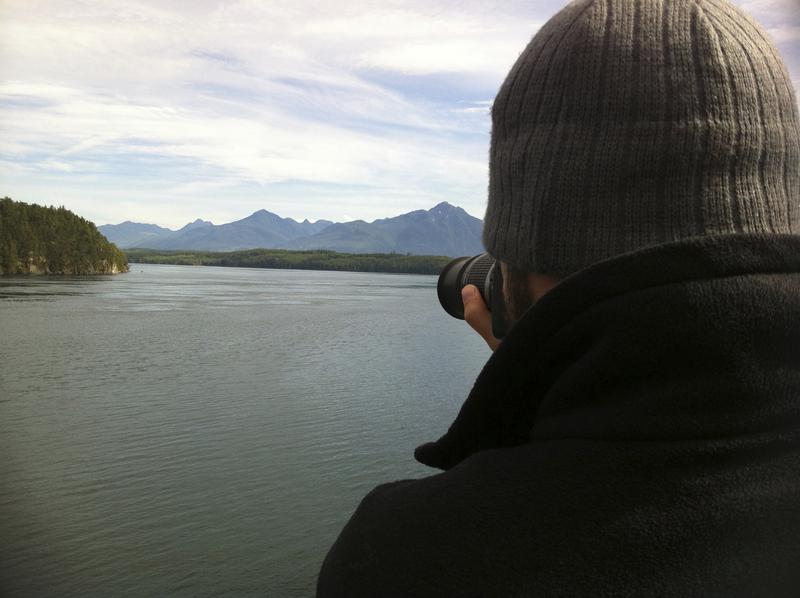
(207, 431)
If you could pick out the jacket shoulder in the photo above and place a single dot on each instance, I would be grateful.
(579, 517)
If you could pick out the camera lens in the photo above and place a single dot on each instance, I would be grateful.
(459, 273)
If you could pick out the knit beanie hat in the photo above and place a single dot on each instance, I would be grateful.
(628, 123)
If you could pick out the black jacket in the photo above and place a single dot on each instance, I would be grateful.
(636, 434)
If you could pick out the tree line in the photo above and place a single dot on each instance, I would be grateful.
(48, 240)
(299, 260)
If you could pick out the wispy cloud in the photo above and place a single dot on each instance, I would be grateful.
(167, 111)
(244, 92)
(785, 33)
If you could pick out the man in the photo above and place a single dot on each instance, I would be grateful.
(637, 432)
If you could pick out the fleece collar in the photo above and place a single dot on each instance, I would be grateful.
(685, 323)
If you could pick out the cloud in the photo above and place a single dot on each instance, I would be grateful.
(264, 144)
(779, 17)
(96, 135)
(244, 92)
(160, 109)
(764, 8)
(785, 34)
(417, 40)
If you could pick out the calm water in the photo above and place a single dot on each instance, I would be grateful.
(207, 431)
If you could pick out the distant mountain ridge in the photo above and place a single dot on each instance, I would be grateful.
(443, 230)
(130, 234)
(260, 229)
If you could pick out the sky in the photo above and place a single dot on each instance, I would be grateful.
(164, 111)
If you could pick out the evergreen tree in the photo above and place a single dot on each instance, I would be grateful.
(35, 239)
(302, 260)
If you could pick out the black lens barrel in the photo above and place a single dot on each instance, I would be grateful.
(459, 273)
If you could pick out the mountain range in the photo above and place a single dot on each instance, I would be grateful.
(442, 230)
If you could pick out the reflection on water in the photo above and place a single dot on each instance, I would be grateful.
(207, 431)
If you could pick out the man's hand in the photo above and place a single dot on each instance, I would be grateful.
(477, 315)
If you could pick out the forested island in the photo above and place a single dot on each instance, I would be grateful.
(299, 260)
(39, 240)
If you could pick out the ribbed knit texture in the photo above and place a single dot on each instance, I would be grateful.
(629, 123)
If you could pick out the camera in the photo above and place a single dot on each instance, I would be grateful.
(484, 272)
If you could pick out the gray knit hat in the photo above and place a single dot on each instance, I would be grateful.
(628, 123)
